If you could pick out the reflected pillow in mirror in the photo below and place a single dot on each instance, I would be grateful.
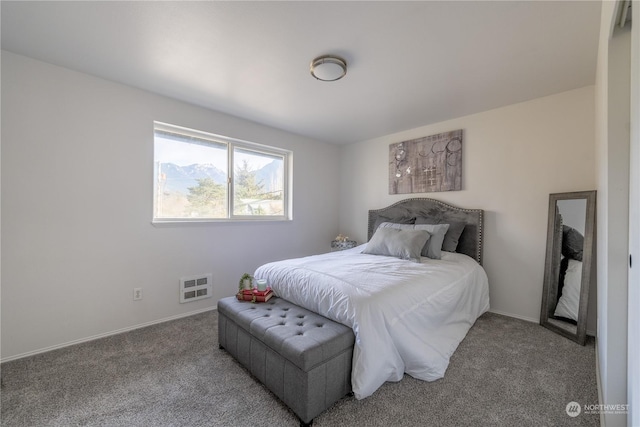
(569, 302)
(394, 242)
(572, 243)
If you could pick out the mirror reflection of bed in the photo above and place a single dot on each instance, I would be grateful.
(572, 216)
(570, 240)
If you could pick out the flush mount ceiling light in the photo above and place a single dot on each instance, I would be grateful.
(328, 68)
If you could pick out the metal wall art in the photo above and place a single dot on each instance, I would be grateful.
(426, 165)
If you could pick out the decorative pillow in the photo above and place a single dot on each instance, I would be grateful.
(434, 246)
(403, 244)
(381, 219)
(569, 302)
(572, 243)
(452, 237)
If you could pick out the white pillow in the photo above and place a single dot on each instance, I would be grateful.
(433, 247)
(403, 244)
(569, 302)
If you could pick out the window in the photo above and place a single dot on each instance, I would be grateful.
(205, 177)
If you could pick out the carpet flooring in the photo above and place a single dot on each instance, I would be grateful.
(506, 372)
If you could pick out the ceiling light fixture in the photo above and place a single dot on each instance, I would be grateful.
(328, 68)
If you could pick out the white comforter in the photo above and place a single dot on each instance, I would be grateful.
(407, 317)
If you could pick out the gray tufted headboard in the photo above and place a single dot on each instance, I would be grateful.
(470, 242)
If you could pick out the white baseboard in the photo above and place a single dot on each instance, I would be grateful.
(516, 316)
(529, 319)
(106, 334)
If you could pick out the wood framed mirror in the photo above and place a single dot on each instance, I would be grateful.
(568, 263)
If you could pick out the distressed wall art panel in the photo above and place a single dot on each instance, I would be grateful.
(426, 165)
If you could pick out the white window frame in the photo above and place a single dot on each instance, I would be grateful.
(232, 144)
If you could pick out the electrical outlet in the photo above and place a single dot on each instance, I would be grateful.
(137, 294)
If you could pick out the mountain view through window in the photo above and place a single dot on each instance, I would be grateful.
(193, 179)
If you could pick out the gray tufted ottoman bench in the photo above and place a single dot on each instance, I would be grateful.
(302, 357)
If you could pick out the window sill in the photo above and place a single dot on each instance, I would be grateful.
(204, 222)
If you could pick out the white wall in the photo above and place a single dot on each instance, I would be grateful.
(513, 158)
(612, 146)
(77, 166)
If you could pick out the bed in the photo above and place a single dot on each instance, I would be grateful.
(408, 316)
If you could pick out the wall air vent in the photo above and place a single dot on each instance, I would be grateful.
(195, 287)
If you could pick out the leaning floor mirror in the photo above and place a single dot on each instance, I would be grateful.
(568, 263)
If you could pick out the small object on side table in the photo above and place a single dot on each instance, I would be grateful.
(341, 245)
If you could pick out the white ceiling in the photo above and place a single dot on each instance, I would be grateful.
(409, 63)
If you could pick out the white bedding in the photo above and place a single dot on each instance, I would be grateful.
(407, 317)
(569, 302)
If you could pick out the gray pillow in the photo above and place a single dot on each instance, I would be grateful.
(452, 237)
(572, 243)
(403, 220)
(403, 244)
(433, 247)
